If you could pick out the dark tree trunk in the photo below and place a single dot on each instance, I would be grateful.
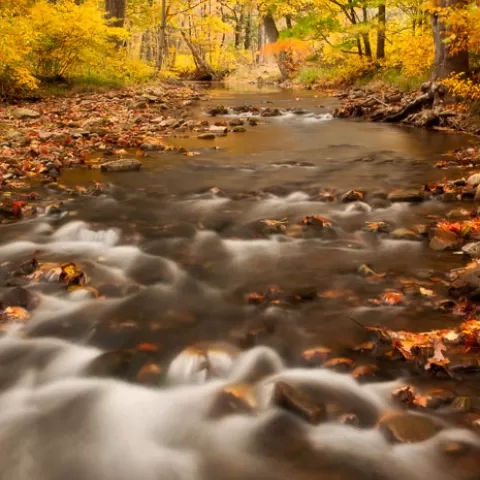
(205, 71)
(381, 31)
(116, 9)
(161, 54)
(272, 34)
(239, 21)
(260, 43)
(288, 19)
(366, 39)
(247, 42)
(446, 62)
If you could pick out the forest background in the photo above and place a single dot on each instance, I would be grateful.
(324, 43)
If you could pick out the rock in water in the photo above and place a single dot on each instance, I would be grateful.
(124, 165)
(352, 196)
(404, 234)
(26, 113)
(206, 136)
(472, 249)
(406, 196)
(299, 403)
(474, 180)
(218, 129)
(443, 239)
(400, 427)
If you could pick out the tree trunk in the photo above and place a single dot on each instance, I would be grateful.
(366, 38)
(288, 20)
(381, 31)
(272, 34)
(205, 71)
(260, 43)
(116, 9)
(247, 42)
(446, 62)
(160, 60)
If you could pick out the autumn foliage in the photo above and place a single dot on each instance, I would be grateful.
(50, 40)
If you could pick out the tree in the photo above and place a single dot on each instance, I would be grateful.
(116, 9)
(382, 17)
(449, 57)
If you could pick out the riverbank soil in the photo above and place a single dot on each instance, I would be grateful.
(429, 107)
(204, 225)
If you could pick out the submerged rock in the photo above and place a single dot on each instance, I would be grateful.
(124, 165)
(408, 427)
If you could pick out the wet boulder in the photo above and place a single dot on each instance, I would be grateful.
(404, 234)
(441, 239)
(236, 122)
(472, 249)
(197, 364)
(313, 226)
(352, 196)
(465, 281)
(237, 399)
(271, 112)
(218, 129)
(206, 136)
(218, 110)
(474, 180)
(458, 214)
(299, 403)
(408, 196)
(123, 165)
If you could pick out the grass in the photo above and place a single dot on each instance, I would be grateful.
(338, 76)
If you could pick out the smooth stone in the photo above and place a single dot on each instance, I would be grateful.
(404, 234)
(472, 249)
(206, 136)
(299, 403)
(125, 165)
(474, 180)
(218, 129)
(22, 113)
(443, 240)
(400, 427)
(406, 196)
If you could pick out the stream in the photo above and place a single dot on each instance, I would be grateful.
(197, 292)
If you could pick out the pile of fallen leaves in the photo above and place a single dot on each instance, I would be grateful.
(42, 138)
(437, 351)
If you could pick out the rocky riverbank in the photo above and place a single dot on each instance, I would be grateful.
(427, 108)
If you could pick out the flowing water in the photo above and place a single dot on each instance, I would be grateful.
(173, 258)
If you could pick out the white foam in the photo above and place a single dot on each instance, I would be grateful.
(110, 430)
